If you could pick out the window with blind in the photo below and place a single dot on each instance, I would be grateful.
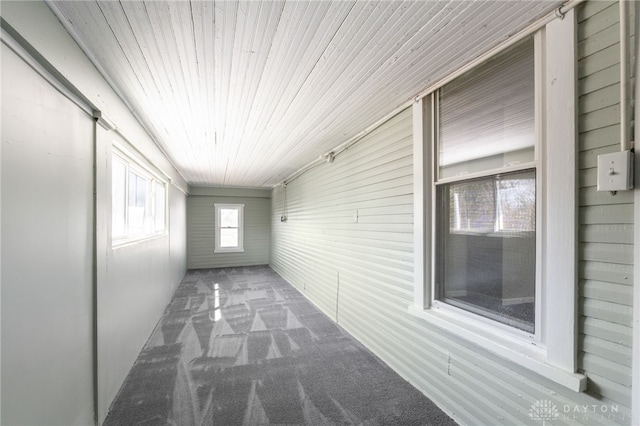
(485, 209)
(495, 204)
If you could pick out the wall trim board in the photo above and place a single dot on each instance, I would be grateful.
(215, 191)
(635, 370)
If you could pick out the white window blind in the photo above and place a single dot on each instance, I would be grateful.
(487, 116)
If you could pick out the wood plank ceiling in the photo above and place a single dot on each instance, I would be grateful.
(246, 93)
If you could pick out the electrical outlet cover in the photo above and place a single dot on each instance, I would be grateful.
(615, 171)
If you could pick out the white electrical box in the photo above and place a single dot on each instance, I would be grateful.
(615, 171)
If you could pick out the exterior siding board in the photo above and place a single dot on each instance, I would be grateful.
(609, 272)
(608, 350)
(600, 98)
(606, 311)
(589, 197)
(603, 78)
(601, 118)
(606, 221)
(608, 292)
(608, 331)
(601, 40)
(596, 138)
(606, 233)
(599, 61)
(609, 391)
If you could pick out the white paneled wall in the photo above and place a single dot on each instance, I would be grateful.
(47, 252)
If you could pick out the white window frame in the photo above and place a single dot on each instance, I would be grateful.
(131, 165)
(552, 350)
(240, 247)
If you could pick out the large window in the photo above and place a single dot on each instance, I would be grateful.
(138, 201)
(485, 225)
(495, 205)
(229, 228)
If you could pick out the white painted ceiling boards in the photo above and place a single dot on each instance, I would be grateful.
(246, 93)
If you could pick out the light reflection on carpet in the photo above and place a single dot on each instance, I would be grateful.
(241, 346)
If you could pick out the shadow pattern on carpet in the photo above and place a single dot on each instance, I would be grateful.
(241, 346)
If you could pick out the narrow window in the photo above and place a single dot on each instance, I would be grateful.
(229, 227)
(138, 192)
(118, 198)
(160, 198)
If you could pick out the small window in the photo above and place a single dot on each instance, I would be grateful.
(138, 202)
(229, 228)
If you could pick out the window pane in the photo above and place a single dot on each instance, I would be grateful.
(516, 204)
(137, 203)
(487, 116)
(472, 206)
(118, 198)
(160, 203)
(229, 218)
(486, 268)
(228, 237)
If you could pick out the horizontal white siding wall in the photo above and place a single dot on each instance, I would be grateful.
(361, 274)
(201, 232)
(606, 221)
(316, 247)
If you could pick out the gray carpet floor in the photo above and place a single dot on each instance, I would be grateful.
(241, 346)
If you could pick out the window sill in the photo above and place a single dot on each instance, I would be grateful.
(513, 346)
(229, 250)
(500, 234)
(121, 243)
